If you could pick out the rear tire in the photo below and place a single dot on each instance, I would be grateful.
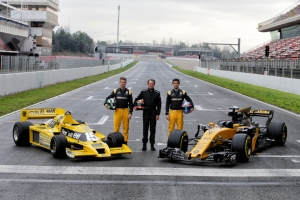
(115, 139)
(21, 133)
(58, 146)
(241, 143)
(178, 139)
(278, 132)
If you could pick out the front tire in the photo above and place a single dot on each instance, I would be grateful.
(115, 139)
(241, 143)
(58, 146)
(21, 133)
(278, 132)
(178, 139)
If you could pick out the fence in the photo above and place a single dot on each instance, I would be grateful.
(17, 64)
(279, 68)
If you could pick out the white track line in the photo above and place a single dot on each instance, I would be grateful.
(149, 171)
(102, 120)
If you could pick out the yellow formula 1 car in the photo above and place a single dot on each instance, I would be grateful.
(227, 141)
(63, 135)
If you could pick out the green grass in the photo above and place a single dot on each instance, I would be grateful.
(277, 98)
(20, 100)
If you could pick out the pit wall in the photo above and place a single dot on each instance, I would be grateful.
(18, 82)
(278, 83)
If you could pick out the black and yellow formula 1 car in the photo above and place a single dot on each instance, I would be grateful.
(227, 141)
(63, 135)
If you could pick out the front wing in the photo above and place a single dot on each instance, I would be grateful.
(178, 154)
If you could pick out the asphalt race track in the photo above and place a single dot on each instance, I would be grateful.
(32, 172)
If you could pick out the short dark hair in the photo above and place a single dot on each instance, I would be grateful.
(176, 79)
(123, 78)
(151, 80)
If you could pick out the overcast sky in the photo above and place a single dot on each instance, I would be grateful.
(190, 21)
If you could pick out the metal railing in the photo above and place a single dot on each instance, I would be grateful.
(18, 64)
(279, 68)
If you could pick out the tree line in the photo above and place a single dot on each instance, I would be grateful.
(63, 40)
(77, 42)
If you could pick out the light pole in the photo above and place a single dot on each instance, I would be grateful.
(118, 25)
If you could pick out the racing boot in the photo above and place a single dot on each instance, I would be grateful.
(144, 147)
(152, 147)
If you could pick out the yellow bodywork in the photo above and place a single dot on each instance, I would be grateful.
(214, 137)
(41, 134)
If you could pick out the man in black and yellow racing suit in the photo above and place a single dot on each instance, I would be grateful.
(174, 101)
(123, 109)
(151, 112)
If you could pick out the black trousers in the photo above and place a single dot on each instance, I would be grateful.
(149, 119)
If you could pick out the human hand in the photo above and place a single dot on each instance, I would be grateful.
(157, 117)
(168, 117)
(192, 109)
(106, 106)
(129, 116)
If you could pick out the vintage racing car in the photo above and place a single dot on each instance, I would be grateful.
(227, 141)
(63, 135)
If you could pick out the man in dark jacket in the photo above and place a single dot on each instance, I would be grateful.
(174, 101)
(123, 109)
(151, 112)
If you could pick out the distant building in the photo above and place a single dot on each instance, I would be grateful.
(148, 49)
(13, 32)
(195, 52)
(42, 17)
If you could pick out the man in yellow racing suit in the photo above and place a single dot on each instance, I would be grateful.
(174, 101)
(123, 109)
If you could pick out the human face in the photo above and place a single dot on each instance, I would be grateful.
(176, 85)
(122, 84)
(151, 85)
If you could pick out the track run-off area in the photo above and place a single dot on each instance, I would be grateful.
(32, 172)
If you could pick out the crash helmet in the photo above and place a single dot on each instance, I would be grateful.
(140, 105)
(186, 107)
(111, 102)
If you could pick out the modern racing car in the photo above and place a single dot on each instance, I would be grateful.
(63, 135)
(227, 141)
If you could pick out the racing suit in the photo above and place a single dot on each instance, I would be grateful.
(173, 102)
(124, 107)
(152, 104)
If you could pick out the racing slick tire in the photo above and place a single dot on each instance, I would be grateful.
(21, 133)
(178, 139)
(115, 139)
(58, 146)
(241, 143)
(278, 132)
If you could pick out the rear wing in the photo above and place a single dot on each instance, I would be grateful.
(263, 113)
(40, 113)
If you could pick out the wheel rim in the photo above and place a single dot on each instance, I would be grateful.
(16, 133)
(248, 147)
(54, 146)
(284, 134)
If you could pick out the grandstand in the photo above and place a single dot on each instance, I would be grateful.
(284, 29)
(12, 32)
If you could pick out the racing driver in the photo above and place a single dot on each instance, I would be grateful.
(174, 101)
(123, 109)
